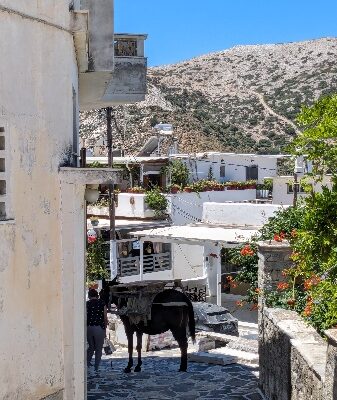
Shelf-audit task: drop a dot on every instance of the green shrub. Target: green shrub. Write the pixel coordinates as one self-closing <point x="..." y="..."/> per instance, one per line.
<point x="156" y="201"/>
<point x="96" y="263"/>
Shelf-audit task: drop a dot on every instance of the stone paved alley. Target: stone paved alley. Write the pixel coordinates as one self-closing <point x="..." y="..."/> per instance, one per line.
<point x="160" y="380"/>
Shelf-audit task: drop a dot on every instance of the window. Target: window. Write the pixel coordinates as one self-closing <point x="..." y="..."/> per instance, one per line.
<point x="125" y="48"/>
<point x="252" y="172"/>
<point x="222" y="171"/>
<point x="301" y="189"/>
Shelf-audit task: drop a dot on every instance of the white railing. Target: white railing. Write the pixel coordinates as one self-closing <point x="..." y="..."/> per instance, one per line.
<point x="151" y="263"/>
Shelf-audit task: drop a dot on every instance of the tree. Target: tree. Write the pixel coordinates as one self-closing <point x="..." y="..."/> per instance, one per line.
<point x="318" y="141"/>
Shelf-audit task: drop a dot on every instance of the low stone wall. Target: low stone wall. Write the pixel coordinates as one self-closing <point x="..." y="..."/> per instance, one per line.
<point x="292" y="357"/>
<point x="296" y="363"/>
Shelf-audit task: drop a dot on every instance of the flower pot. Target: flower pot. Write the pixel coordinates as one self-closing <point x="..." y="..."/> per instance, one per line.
<point x="187" y="190"/>
<point x="174" y="190"/>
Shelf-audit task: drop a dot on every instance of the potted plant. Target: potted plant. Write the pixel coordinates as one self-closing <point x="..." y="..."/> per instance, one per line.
<point x="188" y="189"/>
<point x="156" y="201"/>
<point x="94" y="221"/>
<point x="174" y="188"/>
<point x="251" y="184"/>
<point x="136" y="189"/>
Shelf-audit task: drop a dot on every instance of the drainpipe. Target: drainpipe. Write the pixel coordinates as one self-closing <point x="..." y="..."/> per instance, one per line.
<point x="112" y="211"/>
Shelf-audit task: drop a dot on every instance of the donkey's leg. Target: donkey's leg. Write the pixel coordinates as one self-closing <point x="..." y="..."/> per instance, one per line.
<point x="139" y="351"/>
<point x="181" y="337"/>
<point x="129" y="335"/>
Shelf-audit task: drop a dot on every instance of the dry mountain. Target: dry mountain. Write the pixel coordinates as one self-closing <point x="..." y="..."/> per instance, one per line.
<point x="244" y="99"/>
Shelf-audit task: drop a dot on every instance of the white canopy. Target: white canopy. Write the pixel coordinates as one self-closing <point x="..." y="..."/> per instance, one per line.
<point x="228" y="236"/>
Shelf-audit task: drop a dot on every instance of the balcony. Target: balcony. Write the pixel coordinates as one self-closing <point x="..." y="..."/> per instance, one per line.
<point x="129" y="77"/>
<point x="152" y="263"/>
<point x="112" y="68"/>
<point x="155" y="266"/>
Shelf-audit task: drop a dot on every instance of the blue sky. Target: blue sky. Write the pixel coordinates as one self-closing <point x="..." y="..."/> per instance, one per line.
<point x="182" y="29"/>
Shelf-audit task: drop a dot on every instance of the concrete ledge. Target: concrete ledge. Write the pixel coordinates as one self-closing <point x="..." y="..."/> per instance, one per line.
<point x="90" y="176"/>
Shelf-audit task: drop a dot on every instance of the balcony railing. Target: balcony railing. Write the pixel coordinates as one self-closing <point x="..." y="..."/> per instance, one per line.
<point x="151" y="263"/>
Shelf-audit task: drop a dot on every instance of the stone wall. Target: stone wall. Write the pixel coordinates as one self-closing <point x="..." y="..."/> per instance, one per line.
<point x="330" y="385"/>
<point x="296" y="363"/>
<point x="292" y="357"/>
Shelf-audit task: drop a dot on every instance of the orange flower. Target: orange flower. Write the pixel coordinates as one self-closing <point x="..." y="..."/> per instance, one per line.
<point x="282" y="286"/>
<point x="229" y="278"/>
<point x="233" y="284"/>
<point x="278" y="237"/>
<point x="239" y="303"/>
<point x="313" y="281"/>
<point x="258" y="290"/>
<point x="247" y="251"/>
<point x="308" y="309"/>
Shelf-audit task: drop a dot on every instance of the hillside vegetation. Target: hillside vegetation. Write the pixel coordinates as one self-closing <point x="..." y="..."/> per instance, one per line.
<point x="244" y="99"/>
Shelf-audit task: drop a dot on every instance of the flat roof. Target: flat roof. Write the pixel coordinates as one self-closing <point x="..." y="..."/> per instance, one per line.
<point x="127" y="159"/>
<point x="199" y="234"/>
<point x="120" y="224"/>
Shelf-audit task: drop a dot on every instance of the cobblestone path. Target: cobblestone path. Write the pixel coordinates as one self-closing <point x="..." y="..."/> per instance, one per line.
<point x="160" y="380"/>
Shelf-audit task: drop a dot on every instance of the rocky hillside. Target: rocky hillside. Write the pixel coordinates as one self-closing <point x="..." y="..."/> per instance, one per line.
<point x="244" y="99"/>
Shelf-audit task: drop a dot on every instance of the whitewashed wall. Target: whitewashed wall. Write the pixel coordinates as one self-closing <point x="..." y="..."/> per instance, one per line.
<point x="132" y="205"/>
<point x="238" y="213"/>
<point x="280" y="189"/>
<point x="235" y="166"/>
<point x="185" y="208"/>
<point x="37" y="73"/>
<point x="187" y="261"/>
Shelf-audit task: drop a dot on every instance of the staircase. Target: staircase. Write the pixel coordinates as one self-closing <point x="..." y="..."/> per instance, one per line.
<point x="221" y="349"/>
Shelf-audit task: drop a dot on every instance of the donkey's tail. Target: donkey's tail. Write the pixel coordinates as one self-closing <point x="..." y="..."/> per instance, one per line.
<point x="191" y="321"/>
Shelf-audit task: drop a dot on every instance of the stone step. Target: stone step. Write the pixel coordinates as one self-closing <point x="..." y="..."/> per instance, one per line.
<point x="208" y="358"/>
<point x="212" y="340"/>
<point x="224" y="356"/>
<point x="242" y="357"/>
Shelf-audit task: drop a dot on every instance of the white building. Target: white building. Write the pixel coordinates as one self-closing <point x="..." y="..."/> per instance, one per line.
<point x="283" y="188"/>
<point x="198" y="261"/>
<point x="56" y="56"/>
<point x="225" y="167"/>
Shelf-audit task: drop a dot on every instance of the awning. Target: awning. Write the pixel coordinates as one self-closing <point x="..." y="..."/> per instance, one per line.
<point x="198" y="234"/>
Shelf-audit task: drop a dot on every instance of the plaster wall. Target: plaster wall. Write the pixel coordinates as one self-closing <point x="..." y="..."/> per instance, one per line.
<point x="132" y="205"/>
<point x="238" y="213"/>
<point x="186" y="208"/>
<point x="36" y="109"/>
<point x="235" y="166"/>
<point x="187" y="261"/>
<point x="280" y="189"/>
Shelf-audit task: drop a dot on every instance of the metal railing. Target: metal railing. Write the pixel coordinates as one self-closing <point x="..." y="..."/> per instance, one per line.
<point x="151" y="263"/>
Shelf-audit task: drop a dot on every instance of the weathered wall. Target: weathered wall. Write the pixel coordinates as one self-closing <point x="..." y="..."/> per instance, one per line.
<point x="295" y="362"/>
<point x="37" y="76"/>
<point x="330" y="384"/>
<point x="292" y="357"/>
